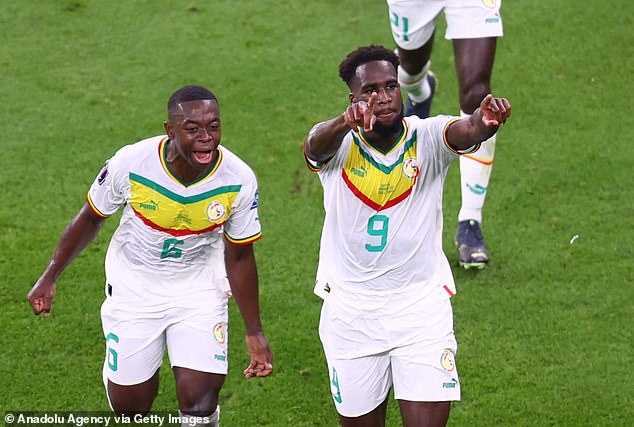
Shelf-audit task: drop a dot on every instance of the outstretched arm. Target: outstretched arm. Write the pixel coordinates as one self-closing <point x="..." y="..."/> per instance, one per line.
<point x="79" y="233"/>
<point x="243" y="278"/>
<point x="481" y="125"/>
<point x="325" y="138"/>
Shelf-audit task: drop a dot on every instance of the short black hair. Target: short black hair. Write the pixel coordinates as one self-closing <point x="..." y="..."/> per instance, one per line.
<point x="189" y="93"/>
<point x="362" y="55"/>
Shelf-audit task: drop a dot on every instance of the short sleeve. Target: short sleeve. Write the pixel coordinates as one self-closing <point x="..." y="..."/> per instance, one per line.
<point x="335" y="161"/>
<point x="109" y="189"/>
<point x="469" y="150"/>
<point x="243" y="226"/>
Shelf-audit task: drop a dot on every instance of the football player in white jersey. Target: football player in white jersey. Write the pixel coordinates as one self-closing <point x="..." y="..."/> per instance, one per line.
<point x="182" y="248"/>
<point x="386" y="319"/>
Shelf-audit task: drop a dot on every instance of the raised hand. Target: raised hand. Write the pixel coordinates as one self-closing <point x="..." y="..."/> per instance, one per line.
<point x="362" y="114"/>
<point x="495" y="111"/>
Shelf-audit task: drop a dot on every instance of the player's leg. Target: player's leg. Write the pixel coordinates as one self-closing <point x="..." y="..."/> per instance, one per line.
<point x="424" y="414"/>
<point x="359" y="383"/>
<point x="133" y="399"/>
<point x="474" y="26"/>
<point x="474" y="63"/>
<point x="374" y="418"/>
<point x="134" y="353"/>
<point x="423" y="369"/>
<point x="360" y="389"/>
<point x="197" y="345"/>
<point x="197" y="394"/>
<point x="413" y="25"/>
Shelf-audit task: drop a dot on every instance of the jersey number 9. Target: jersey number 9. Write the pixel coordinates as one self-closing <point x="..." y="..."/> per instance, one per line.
<point x="377" y="226"/>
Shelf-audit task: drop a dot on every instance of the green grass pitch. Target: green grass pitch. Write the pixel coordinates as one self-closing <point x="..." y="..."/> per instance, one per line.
<point x="544" y="332"/>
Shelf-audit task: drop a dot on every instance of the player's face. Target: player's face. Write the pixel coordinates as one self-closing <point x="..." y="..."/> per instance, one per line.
<point x="380" y="77"/>
<point x="195" y="130"/>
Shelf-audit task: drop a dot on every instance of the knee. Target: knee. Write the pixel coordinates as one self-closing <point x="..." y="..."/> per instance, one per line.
<point x="199" y="405"/>
<point x="132" y="400"/>
<point x="472" y="94"/>
<point x="197" y="391"/>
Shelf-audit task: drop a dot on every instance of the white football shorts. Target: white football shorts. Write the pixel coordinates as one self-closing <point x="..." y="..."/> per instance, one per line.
<point x="195" y="337"/>
<point x="413" y="21"/>
<point x="421" y="369"/>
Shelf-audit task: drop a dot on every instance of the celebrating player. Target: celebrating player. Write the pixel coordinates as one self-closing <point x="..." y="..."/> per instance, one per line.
<point x="183" y="246"/>
<point x="386" y="318"/>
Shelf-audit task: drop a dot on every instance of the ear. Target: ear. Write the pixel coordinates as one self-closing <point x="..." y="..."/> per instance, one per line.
<point x="351" y="98"/>
<point x="168" y="129"/>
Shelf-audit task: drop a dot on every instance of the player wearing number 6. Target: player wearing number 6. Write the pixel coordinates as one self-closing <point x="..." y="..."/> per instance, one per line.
<point x="183" y="244"/>
<point x="386" y="319"/>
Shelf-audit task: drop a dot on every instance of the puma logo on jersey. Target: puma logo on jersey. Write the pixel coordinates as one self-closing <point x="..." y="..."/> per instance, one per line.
<point x="360" y="172"/>
<point x="152" y="206"/>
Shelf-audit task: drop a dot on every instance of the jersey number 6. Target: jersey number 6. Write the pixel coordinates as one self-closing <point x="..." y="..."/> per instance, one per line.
<point x="170" y="250"/>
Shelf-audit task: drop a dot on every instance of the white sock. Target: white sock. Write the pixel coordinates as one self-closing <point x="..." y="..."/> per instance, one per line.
<point x="475" y="171"/>
<point x="416" y="85"/>
<point x="212" y="420"/>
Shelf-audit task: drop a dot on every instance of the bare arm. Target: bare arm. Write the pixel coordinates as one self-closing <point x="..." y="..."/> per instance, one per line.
<point x="325" y="138"/>
<point x="243" y="278"/>
<point x="79" y="233"/>
<point x="481" y="125"/>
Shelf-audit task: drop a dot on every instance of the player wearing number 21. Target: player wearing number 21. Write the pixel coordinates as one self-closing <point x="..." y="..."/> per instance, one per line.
<point x="386" y="319"/>
<point x="183" y="245"/>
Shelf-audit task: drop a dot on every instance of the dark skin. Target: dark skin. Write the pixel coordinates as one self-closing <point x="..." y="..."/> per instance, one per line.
<point x="474" y="64"/>
<point x="194" y="131"/>
<point x="375" y="98"/>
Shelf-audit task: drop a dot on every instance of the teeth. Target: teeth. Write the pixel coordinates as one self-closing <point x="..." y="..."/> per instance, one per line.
<point x="202" y="157"/>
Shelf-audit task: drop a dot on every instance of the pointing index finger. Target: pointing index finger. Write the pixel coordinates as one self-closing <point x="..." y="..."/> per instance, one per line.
<point x="372" y="101"/>
<point x="368" y="116"/>
<point x="486" y="102"/>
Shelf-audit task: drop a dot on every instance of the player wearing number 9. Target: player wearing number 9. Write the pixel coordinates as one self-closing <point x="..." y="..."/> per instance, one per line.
<point x="386" y="319"/>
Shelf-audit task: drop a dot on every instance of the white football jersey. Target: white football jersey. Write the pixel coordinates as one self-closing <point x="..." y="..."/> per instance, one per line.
<point x="381" y="244"/>
<point x="171" y="233"/>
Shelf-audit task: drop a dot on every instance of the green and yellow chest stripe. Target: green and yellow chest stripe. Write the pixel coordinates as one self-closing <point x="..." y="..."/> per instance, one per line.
<point x="164" y="210"/>
<point x="377" y="185"/>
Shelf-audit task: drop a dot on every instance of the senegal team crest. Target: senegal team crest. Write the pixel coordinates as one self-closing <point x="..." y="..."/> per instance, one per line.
<point x="491" y="4"/>
<point x="410" y="169"/>
<point x="219" y="333"/>
<point x="215" y="211"/>
<point x="447" y="361"/>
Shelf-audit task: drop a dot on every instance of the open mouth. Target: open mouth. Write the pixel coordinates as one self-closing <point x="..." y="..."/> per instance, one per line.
<point x="202" y="156"/>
